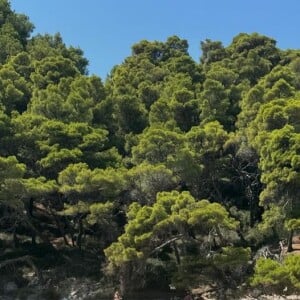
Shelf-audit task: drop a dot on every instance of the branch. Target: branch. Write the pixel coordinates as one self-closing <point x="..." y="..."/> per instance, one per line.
<point x="167" y="243"/>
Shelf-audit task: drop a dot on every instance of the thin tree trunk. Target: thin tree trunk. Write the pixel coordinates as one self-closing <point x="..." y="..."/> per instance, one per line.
<point x="80" y="233"/>
<point x="30" y="207"/>
<point x="176" y="253"/>
<point x="222" y="240"/>
<point x="290" y="241"/>
<point x="60" y="228"/>
<point x="16" y="240"/>
<point x="38" y="233"/>
<point x="33" y="238"/>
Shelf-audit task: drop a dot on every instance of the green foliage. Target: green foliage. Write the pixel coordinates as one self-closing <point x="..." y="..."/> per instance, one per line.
<point x="46" y="46"/>
<point x="39" y="187"/>
<point x="12" y="189"/>
<point x="212" y="51"/>
<point x="120" y="163"/>
<point x="16" y="90"/>
<point x="272" y="274"/>
<point x="269" y="272"/>
<point x="210" y="216"/>
<point x="146" y="180"/>
<point x="232" y="257"/>
<point x="78" y="178"/>
<point x="201" y="159"/>
<point x="156" y="145"/>
<point x="128" y="107"/>
<point x="277" y="145"/>
<point x="15" y="29"/>
<point x="292" y="224"/>
<point x="101" y="213"/>
<point x="272" y="220"/>
<point x="171" y="215"/>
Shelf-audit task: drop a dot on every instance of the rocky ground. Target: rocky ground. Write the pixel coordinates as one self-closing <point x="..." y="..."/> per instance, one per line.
<point x="91" y="289"/>
<point x="69" y="289"/>
<point x="242" y="293"/>
<point x="81" y="281"/>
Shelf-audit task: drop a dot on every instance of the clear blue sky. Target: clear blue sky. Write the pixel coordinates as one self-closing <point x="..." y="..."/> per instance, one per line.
<point x="106" y="29"/>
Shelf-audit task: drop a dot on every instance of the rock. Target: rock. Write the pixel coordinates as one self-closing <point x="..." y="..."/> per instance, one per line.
<point x="201" y="289"/>
<point x="256" y="293"/>
<point x="34" y="281"/>
<point x="209" y="296"/>
<point x="10" y="287"/>
<point x="230" y="293"/>
<point x="272" y="297"/>
<point x="73" y="293"/>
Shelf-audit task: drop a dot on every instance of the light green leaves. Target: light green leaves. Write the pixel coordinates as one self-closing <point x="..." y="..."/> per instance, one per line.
<point x="172" y="215"/>
<point x="11" y="186"/>
<point x="272" y="274"/>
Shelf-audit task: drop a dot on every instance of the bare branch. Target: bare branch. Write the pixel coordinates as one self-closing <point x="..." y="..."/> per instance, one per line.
<point x="167" y="243"/>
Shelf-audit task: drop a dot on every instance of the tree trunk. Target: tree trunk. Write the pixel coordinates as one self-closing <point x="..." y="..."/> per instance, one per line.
<point x="60" y="227"/>
<point x="290" y="241"/>
<point x="30" y="207"/>
<point x="36" y="232"/>
<point x="244" y="243"/>
<point x="80" y="233"/>
<point x="222" y="240"/>
<point x="176" y="253"/>
<point x="33" y="238"/>
<point x="16" y="240"/>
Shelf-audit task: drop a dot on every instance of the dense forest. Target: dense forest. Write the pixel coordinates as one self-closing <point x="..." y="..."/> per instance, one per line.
<point x="169" y="172"/>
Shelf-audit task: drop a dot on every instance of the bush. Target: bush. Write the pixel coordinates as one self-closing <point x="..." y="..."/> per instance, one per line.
<point x="274" y="275"/>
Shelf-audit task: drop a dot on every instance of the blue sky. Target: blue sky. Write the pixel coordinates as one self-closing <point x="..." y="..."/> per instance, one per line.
<point x="106" y="29"/>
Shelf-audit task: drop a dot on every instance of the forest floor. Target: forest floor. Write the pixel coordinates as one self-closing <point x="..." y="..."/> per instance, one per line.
<point x="75" y="274"/>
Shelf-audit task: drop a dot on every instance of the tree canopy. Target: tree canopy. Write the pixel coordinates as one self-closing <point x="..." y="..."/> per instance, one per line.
<point x="168" y="166"/>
